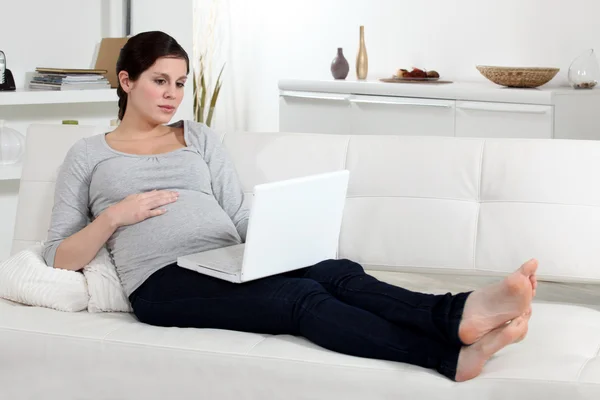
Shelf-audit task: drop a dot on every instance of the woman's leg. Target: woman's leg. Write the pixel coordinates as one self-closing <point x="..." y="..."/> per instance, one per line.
<point x="455" y="319"/>
<point x="174" y="296"/>
<point x="437" y="316"/>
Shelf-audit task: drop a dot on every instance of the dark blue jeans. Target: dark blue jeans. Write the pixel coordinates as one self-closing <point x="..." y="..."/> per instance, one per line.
<point x="333" y="304"/>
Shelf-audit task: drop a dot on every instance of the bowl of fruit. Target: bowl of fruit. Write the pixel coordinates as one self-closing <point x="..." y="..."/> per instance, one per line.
<point x="417" y="74"/>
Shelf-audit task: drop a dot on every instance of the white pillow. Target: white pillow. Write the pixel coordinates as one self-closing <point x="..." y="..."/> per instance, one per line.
<point x="104" y="286"/>
<point x="25" y="278"/>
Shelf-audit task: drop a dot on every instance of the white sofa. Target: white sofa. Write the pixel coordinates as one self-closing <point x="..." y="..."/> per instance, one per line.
<point x="429" y="213"/>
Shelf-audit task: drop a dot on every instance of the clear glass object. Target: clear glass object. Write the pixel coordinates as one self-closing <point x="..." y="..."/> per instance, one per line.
<point x="584" y="72"/>
<point x="2" y="66"/>
<point x="12" y="145"/>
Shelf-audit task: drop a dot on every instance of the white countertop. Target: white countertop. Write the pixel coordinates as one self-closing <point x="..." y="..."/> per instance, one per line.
<point x="468" y="91"/>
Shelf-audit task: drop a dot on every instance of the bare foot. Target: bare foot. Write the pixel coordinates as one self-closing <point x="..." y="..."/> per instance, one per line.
<point x="472" y="358"/>
<point x="489" y="307"/>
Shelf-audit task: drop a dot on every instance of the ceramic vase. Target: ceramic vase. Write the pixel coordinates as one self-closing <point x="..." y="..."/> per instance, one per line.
<point x="339" y="65"/>
<point x="362" y="60"/>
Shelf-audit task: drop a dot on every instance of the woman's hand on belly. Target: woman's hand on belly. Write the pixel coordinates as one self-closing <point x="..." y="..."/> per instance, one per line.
<point x="139" y="207"/>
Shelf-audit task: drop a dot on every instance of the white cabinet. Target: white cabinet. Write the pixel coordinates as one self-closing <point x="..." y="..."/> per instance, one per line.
<point x="314" y="112"/>
<point x="494" y="120"/>
<point x="387" y="115"/>
<point x="457" y="109"/>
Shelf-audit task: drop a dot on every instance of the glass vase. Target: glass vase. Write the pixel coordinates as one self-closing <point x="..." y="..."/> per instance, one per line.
<point x="12" y="145"/>
<point x="584" y="72"/>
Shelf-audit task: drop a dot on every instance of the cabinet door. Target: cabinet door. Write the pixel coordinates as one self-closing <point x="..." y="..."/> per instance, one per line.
<point x="310" y="112"/>
<point x="389" y="115"/>
<point x="503" y="120"/>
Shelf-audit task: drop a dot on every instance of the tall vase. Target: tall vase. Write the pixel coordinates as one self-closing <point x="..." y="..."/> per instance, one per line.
<point x="362" y="60"/>
<point x="339" y="65"/>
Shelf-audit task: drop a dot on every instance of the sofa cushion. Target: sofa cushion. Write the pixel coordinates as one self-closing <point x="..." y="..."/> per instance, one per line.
<point x="46" y="147"/>
<point x="25" y="278"/>
<point x="541" y="199"/>
<point x="106" y="292"/>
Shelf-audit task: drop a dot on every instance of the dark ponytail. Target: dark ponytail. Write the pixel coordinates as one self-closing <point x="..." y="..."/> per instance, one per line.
<point x="122" y="102"/>
<point x="140" y="53"/>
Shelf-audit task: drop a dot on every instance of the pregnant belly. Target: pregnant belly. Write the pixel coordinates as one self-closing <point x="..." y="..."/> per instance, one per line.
<point x="195" y="222"/>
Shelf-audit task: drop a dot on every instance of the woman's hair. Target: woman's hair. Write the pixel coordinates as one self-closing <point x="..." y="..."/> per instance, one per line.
<point x="140" y="53"/>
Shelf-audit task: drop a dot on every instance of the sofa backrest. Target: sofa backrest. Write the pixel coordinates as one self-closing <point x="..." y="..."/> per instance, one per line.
<point x="434" y="204"/>
<point x="45" y="148"/>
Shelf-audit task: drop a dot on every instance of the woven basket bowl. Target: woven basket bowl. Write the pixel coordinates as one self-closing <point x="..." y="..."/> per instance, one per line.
<point x="518" y="77"/>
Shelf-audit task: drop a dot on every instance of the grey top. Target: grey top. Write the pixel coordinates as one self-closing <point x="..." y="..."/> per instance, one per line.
<point x="209" y="213"/>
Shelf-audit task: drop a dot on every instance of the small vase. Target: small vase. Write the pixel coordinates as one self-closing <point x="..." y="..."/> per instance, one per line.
<point x="362" y="60"/>
<point x="339" y="65"/>
<point x="584" y="72"/>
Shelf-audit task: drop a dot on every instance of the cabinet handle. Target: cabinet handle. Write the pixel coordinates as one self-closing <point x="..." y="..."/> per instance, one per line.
<point x="314" y="96"/>
<point x="393" y="103"/>
<point x="515" y="110"/>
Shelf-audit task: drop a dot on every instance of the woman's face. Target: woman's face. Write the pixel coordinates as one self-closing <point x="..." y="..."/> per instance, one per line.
<point x="158" y="91"/>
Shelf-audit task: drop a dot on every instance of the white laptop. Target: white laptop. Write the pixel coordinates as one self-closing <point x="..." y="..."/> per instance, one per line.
<point x="293" y="224"/>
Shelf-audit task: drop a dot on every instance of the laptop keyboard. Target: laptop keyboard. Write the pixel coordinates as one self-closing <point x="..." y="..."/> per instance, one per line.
<point x="228" y="260"/>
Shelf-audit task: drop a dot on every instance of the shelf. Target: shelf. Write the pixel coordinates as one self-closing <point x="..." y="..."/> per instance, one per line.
<point x="10" y="172"/>
<point x="25" y="97"/>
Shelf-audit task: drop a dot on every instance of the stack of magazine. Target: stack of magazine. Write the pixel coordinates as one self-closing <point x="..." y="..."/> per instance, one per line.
<point x="68" y="79"/>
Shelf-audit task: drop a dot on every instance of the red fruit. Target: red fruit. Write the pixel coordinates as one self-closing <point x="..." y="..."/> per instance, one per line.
<point x="418" y="73"/>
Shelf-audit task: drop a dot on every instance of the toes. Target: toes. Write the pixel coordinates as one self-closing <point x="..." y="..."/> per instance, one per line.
<point x="518" y="322"/>
<point x="529" y="268"/>
<point x="517" y="326"/>
<point x="523" y="335"/>
<point x="525" y="328"/>
<point x="534" y="281"/>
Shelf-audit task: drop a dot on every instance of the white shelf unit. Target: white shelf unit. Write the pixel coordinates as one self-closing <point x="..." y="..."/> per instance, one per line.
<point x="22" y="107"/>
<point x="38" y="97"/>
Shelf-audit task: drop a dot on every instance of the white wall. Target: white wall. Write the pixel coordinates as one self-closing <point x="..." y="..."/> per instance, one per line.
<point x="274" y="39"/>
<point x="58" y="33"/>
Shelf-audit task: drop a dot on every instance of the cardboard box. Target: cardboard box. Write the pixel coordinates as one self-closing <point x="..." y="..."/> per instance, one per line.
<point x="108" y="54"/>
